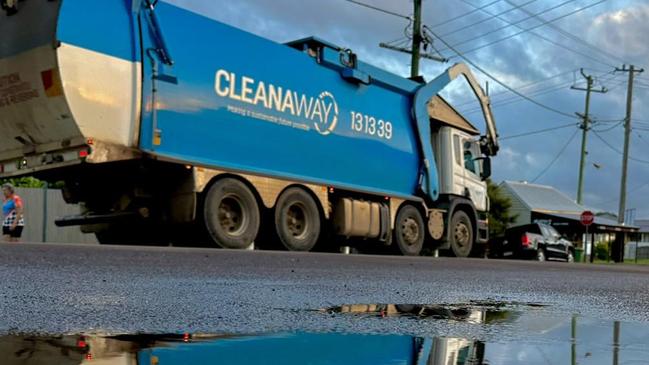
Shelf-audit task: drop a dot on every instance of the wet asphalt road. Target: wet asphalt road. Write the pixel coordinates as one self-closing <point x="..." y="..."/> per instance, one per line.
<point x="79" y="288"/>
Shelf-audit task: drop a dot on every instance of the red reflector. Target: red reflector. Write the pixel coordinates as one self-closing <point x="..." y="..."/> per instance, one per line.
<point x="525" y="240"/>
<point x="88" y="356"/>
<point x="186" y="337"/>
<point x="83" y="153"/>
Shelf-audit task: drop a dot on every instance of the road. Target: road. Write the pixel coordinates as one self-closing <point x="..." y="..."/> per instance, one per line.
<point x="53" y="288"/>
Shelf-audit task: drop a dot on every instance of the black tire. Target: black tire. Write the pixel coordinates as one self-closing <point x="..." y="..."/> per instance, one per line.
<point x="231" y="214"/>
<point x="297" y="220"/>
<point x="461" y="234"/>
<point x="409" y="231"/>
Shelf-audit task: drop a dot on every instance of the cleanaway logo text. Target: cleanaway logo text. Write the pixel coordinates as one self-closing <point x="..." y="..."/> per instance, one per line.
<point x="322" y="110"/>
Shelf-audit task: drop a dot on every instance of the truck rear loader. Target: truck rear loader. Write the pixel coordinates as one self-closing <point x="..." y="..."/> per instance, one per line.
<point x="163" y="122"/>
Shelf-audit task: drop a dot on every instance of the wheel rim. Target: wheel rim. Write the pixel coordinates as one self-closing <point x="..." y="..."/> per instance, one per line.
<point x="462" y="236"/>
<point x="231" y="215"/>
<point x="571" y="257"/>
<point x="540" y="256"/>
<point x="410" y="231"/>
<point x="296" y="220"/>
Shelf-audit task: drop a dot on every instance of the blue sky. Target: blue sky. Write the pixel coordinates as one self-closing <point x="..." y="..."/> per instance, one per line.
<point x="599" y="37"/>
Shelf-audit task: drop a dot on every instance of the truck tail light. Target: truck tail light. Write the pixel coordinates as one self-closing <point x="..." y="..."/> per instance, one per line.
<point x="525" y="240"/>
<point x="83" y="153"/>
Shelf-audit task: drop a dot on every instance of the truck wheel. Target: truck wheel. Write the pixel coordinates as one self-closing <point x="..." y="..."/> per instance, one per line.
<point x="297" y="220"/>
<point x="409" y="231"/>
<point x="461" y="234"/>
<point x="231" y="214"/>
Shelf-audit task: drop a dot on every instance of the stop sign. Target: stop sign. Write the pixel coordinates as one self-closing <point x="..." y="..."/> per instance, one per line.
<point x="587" y="218"/>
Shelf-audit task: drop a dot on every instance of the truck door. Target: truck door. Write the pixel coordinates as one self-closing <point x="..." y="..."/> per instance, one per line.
<point x="467" y="171"/>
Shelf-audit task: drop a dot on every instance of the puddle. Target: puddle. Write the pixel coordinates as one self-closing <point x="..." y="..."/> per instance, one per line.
<point x="571" y="341"/>
<point x="472" y="312"/>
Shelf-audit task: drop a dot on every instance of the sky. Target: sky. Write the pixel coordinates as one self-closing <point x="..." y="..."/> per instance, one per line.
<point x="536" y="47"/>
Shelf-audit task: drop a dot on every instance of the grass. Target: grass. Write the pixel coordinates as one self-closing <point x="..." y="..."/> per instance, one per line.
<point x="626" y="262"/>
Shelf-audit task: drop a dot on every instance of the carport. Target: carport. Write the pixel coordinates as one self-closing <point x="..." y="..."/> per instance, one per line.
<point x="569" y="225"/>
<point x="533" y="203"/>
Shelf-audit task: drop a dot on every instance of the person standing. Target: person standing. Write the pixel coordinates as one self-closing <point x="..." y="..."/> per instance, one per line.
<point x="12" y="212"/>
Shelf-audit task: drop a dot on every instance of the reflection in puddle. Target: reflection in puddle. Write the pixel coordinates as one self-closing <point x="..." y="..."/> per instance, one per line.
<point x="569" y="341"/>
<point x="475" y="312"/>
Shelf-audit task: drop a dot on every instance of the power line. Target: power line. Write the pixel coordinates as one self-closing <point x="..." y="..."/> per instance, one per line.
<point x="488" y="74"/>
<point x="465" y="14"/>
<point x="539" y="35"/>
<point x="525" y="86"/>
<point x="379" y="9"/>
<point x="508" y="25"/>
<point x="516" y="99"/>
<point x="563" y="149"/>
<point x="570" y="35"/>
<point x="609" y="128"/>
<point x="629" y="192"/>
<point x="486" y="19"/>
<point x="534" y="27"/>
<point x="617" y="150"/>
<point x="539" y="131"/>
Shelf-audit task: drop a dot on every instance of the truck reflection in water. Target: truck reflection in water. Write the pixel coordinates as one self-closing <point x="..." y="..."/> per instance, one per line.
<point x="568" y="340"/>
<point x="287" y="349"/>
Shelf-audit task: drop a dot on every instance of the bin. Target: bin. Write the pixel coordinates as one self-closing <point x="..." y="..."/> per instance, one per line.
<point x="579" y="254"/>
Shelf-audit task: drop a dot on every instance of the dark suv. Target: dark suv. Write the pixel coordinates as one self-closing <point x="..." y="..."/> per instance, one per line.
<point x="533" y="241"/>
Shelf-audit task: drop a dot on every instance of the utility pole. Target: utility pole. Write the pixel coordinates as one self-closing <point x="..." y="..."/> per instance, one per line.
<point x="627" y="137"/>
<point x="416" y="41"/>
<point x="585" y="126"/>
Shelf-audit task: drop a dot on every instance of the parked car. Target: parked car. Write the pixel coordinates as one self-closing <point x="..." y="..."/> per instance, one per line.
<point x="533" y="241"/>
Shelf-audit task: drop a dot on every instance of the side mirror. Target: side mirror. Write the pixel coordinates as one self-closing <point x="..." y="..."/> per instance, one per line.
<point x="486" y="167"/>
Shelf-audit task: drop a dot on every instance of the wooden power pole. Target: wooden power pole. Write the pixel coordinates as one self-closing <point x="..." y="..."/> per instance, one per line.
<point x="627" y="137"/>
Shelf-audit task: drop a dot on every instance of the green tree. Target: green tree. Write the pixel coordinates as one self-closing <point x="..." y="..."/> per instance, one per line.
<point x="25" y="182"/>
<point x="500" y="215"/>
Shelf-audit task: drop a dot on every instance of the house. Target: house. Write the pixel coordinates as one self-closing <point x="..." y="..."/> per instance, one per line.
<point x="643" y="229"/>
<point x="534" y="203"/>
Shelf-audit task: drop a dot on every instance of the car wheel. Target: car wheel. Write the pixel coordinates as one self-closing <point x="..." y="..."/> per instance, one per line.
<point x="571" y="257"/>
<point x="540" y="255"/>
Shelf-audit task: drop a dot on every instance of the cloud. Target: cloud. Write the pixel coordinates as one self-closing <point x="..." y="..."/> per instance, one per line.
<point x="615" y="30"/>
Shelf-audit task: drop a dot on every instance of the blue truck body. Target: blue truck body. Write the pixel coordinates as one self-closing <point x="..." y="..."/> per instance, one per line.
<point x="92" y="82"/>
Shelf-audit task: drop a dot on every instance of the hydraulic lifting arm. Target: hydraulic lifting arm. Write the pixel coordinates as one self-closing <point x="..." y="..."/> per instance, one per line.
<point x="488" y="142"/>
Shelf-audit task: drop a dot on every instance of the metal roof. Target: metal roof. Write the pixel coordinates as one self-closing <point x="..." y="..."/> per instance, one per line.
<point x="548" y="200"/>
<point x="543" y="198"/>
<point x="643" y="224"/>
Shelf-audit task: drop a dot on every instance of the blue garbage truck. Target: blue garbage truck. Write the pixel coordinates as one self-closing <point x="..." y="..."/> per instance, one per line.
<point x="164" y="123"/>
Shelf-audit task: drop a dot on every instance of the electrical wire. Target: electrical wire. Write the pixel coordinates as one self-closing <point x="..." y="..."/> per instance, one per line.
<point x="379" y="9"/>
<point x="488" y="74"/>
<point x="486" y="19"/>
<point x="616" y="150"/>
<point x="534" y="27"/>
<point x="570" y="35"/>
<point x="495" y="30"/>
<point x="563" y="149"/>
<point x="609" y="128"/>
<point x="569" y="49"/>
<point x="522" y="87"/>
<point x="539" y="131"/>
<point x="465" y="14"/>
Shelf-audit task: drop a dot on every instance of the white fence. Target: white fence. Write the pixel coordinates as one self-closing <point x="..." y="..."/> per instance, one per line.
<point x="642" y="250"/>
<point x="42" y="207"/>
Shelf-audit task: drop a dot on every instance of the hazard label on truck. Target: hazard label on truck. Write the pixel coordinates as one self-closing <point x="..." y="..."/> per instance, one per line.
<point x="13" y="90"/>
